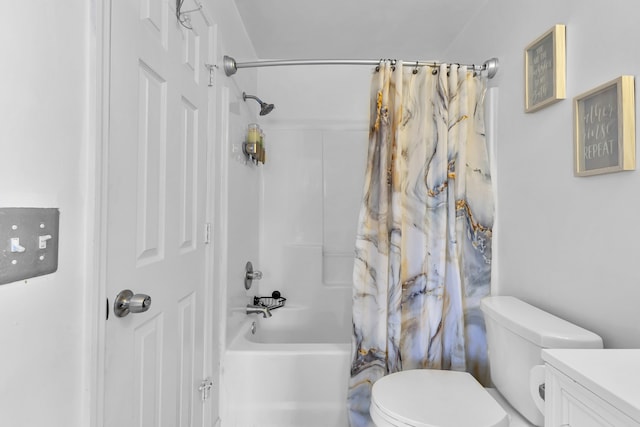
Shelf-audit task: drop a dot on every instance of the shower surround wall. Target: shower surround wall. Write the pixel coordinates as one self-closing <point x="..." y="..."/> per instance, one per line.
<point x="312" y="184"/>
<point x="311" y="187"/>
<point x="242" y="203"/>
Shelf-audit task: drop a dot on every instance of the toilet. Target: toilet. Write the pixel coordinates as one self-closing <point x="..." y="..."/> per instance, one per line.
<point x="516" y="333"/>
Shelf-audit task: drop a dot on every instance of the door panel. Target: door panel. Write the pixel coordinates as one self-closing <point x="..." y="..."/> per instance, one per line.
<point x="188" y="175"/>
<point x="152" y="124"/>
<point x="148" y="372"/>
<point x="187" y="347"/>
<point x="156" y="214"/>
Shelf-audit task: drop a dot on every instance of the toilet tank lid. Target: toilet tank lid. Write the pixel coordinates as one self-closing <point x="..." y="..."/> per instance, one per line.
<point x="538" y="326"/>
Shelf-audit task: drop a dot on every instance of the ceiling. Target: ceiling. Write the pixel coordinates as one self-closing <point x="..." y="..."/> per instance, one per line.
<point x="354" y="29"/>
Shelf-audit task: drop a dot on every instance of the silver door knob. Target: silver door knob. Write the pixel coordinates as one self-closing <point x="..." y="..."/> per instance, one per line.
<point x="126" y="302"/>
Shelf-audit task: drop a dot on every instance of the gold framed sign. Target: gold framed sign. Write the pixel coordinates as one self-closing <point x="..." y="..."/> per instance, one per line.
<point x="604" y="128"/>
<point x="545" y="69"/>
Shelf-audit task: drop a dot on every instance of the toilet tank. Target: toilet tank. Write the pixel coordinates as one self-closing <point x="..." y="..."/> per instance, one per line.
<point x="516" y="333"/>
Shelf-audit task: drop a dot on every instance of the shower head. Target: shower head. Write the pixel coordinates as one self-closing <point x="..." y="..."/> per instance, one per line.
<point x="264" y="107"/>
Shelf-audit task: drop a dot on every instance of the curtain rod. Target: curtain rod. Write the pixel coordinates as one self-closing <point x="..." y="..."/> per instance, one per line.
<point x="231" y="66"/>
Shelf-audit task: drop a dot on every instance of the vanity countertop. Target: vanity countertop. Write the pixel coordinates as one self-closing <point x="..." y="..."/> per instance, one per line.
<point x="612" y="374"/>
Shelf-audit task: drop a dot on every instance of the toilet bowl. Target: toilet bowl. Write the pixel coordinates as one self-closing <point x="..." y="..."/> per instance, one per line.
<point x="516" y="333"/>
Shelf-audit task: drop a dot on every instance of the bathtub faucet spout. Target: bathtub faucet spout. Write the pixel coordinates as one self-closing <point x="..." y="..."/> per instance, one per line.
<point x="259" y="309"/>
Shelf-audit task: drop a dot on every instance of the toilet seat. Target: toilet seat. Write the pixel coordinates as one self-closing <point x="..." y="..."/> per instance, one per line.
<point x="433" y="398"/>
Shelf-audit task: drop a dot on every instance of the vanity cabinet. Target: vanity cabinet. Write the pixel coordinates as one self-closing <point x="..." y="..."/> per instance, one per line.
<point x="592" y="388"/>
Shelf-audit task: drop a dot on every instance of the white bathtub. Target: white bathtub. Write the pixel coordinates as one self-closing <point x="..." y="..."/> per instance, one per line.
<point x="293" y="372"/>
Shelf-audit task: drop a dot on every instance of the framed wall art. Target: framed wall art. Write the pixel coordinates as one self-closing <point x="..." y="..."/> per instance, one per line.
<point x="604" y="128"/>
<point x="545" y="69"/>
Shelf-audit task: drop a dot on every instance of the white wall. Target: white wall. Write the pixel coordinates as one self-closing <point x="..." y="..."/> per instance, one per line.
<point x="316" y="96"/>
<point x="568" y="245"/>
<point x="45" y="143"/>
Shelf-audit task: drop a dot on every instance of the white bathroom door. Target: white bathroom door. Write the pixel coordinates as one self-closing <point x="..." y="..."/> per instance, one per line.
<point x="156" y="206"/>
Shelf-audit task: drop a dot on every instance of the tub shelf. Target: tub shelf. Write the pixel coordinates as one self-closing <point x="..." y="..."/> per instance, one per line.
<point x="269" y="302"/>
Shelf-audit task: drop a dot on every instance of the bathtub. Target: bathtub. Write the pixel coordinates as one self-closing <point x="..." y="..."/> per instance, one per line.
<point x="292" y="372"/>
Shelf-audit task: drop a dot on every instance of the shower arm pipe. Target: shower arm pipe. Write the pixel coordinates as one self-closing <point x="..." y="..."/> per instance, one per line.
<point x="231" y="66"/>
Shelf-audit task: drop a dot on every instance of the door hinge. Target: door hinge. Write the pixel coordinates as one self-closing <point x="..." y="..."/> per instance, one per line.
<point x="211" y="68"/>
<point x="207" y="233"/>
<point x="205" y="388"/>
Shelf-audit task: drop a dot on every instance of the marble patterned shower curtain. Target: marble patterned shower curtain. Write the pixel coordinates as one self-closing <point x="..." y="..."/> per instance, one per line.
<point x="423" y="249"/>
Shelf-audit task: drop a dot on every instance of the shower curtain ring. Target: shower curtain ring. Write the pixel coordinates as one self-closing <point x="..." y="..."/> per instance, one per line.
<point x="415" y="70"/>
<point x="435" y="68"/>
<point x="379" y="65"/>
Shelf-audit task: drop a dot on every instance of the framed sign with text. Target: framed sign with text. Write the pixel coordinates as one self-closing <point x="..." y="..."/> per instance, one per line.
<point x="604" y="128"/>
<point x="545" y="70"/>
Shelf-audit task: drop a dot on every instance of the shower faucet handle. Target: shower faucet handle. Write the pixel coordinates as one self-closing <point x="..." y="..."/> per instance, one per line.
<point x="250" y="275"/>
<point x="255" y="275"/>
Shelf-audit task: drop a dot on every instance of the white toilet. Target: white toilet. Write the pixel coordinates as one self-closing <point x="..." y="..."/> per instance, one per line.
<point x="516" y="332"/>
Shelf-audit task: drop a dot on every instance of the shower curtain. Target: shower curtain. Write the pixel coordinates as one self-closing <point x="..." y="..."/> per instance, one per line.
<point x="423" y="248"/>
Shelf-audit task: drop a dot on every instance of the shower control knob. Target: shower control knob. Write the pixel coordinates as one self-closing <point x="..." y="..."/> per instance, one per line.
<point x="256" y="275"/>
<point x="250" y="275"/>
<point x="126" y="302"/>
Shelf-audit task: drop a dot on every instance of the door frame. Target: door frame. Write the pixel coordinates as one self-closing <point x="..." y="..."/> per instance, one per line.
<point x="96" y="219"/>
<point x="95" y="298"/>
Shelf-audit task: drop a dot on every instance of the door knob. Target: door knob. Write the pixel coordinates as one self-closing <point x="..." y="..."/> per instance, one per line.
<point x="126" y="302"/>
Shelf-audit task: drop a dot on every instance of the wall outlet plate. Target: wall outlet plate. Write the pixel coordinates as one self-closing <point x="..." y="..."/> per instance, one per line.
<point x="28" y="243"/>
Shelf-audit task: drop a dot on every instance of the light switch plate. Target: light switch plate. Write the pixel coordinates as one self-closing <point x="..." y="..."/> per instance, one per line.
<point x="28" y="243"/>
